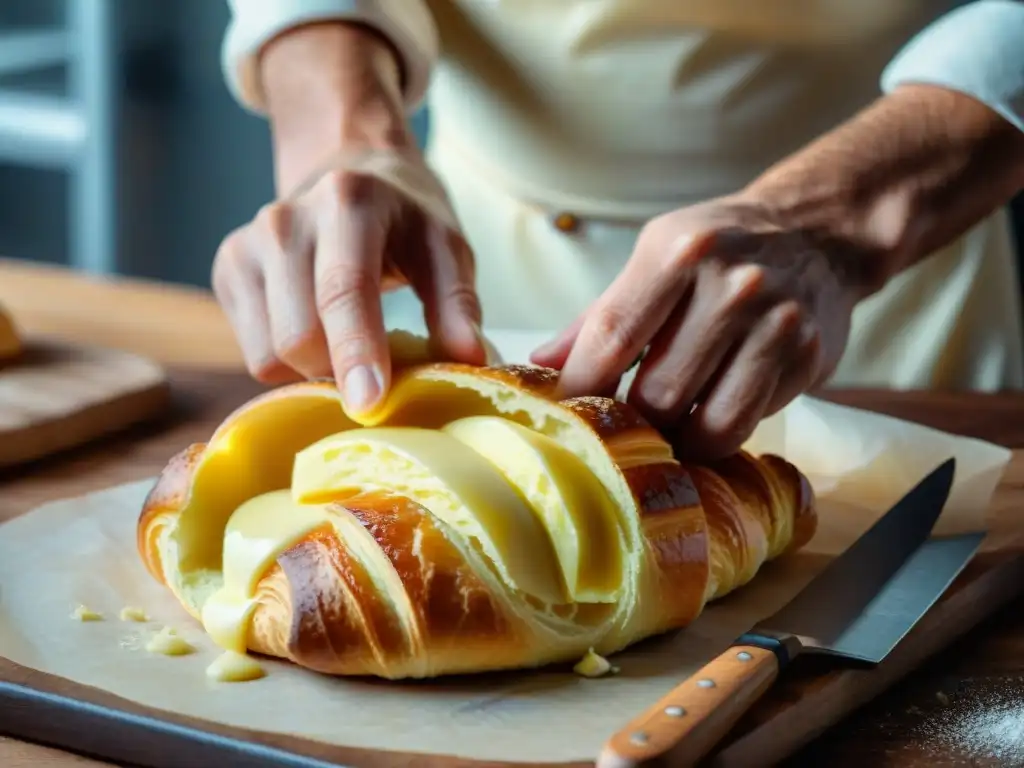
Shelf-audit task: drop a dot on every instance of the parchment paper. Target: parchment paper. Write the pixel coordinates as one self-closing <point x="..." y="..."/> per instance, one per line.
<point x="83" y="551"/>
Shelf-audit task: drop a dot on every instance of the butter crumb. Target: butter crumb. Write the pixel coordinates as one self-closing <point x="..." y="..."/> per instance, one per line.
<point x="234" y="667"/>
<point x="169" y="643"/>
<point x="82" y="613"/>
<point x="594" y="665"/>
<point x="129" y="613"/>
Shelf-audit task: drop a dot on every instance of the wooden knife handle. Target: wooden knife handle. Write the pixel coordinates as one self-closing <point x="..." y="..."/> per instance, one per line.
<point x="687" y="723"/>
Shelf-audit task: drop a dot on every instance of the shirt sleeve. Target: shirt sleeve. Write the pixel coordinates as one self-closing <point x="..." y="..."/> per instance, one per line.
<point x="407" y="24"/>
<point x="977" y="49"/>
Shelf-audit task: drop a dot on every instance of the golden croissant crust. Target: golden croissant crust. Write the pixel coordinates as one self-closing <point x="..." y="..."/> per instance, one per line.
<point x="472" y="522"/>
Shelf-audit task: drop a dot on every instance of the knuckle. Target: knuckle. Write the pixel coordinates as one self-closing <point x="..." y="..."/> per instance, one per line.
<point x="676" y="244"/>
<point x="743" y="283"/>
<point x="686" y="248"/>
<point x="275" y="221"/>
<point x="724" y="432"/>
<point x="662" y="393"/>
<point x="342" y="286"/>
<point x="351" y="189"/>
<point x="787" y="319"/>
<point x="614" y="330"/>
<point x="463" y="298"/>
<point x="655" y="234"/>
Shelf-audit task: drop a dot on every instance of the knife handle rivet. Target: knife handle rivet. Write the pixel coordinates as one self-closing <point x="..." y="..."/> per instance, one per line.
<point x="705" y="683"/>
<point x="674" y="711"/>
<point x="744" y="656"/>
<point x="638" y="738"/>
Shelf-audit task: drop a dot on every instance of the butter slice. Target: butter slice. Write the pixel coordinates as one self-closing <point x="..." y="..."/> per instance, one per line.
<point x="570" y="500"/>
<point x="455" y="483"/>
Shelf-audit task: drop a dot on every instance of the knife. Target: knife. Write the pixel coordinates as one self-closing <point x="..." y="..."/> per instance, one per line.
<point x="858" y="608"/>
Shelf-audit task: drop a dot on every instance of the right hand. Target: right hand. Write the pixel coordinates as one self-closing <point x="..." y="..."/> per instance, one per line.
<point x="301" y="283"/>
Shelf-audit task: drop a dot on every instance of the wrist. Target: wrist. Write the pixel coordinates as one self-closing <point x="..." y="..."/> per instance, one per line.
<point x="826" y="214"/>
<point x="329" y="88"/>
<point x="896" y="182"/>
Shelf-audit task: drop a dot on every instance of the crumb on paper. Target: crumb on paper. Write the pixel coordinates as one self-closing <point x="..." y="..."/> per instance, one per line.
<point x="131" y="613"/>
<point x="84" y="613"/>
<point x="594" y="665"/>
<point x="943" y="699"/>
<point x="169" y="643"/>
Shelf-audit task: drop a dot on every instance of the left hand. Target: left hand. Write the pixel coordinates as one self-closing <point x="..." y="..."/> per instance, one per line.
<point x="738" y="315"/>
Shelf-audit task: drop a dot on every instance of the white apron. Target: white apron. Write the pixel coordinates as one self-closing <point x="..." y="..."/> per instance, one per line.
<point x="614" y="111"/>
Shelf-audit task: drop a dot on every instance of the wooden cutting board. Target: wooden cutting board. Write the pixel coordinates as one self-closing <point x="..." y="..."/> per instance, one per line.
<point x="57" y="396"/>
<point x="812" y="696"/>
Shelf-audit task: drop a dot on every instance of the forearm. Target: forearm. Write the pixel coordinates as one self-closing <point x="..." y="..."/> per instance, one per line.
<point x="330" y="87"/>
<point x="898" y="181"/>
<point x="329" y="73"/>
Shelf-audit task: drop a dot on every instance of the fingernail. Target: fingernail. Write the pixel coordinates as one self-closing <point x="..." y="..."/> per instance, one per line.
<point x="362" y="388"/>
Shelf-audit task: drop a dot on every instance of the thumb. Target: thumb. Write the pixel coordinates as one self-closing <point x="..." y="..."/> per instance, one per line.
<point x="445" y="283"/>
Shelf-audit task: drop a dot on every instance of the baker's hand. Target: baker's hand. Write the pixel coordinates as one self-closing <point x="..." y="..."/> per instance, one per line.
<point x="737" y="314"/>
<point x="301" y="284"/>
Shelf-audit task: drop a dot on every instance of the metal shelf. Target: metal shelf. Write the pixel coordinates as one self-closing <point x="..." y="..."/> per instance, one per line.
<point x="23" y="50"/>
<point x="75" y="133"/>
<point x="41" y="131"/>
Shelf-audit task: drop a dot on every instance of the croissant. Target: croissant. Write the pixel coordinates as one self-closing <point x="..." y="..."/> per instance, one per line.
<point x="10" y="342"/>
<point x="472" y="522"/>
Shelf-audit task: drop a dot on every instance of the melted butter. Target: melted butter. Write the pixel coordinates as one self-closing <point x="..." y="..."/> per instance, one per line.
<point x="257" y="533"/>
<point x="84" y="613"/>
<point x="130" y="613"/>
<point x="594" y="665"/>
<point x="169" y="643"/>
<point x="577" y="512"/>
<point x="233" y="667"/>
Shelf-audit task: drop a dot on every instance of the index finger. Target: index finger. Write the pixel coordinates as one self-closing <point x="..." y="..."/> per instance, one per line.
<point x="622" y="322"/>
<point x="347" y="267"/>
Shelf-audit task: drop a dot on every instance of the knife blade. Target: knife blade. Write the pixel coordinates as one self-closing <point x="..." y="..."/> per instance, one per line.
<point x="858" y="608"/>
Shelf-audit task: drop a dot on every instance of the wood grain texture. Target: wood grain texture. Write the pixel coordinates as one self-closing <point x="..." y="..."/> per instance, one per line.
<point x="55" y="396"/>
<point x="941" y="716"/>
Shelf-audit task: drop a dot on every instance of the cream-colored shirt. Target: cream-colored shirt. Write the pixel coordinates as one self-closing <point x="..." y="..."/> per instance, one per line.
<point x="618" y="110"/>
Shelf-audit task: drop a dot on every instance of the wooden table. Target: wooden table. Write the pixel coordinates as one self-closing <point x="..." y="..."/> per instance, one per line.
<point x="944" y="715"/>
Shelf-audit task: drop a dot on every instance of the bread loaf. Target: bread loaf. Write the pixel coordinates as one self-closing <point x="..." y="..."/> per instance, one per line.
<point x="472" y="522"/>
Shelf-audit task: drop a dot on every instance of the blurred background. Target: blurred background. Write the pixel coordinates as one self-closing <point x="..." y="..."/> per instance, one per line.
<point x="121" y="151"/>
